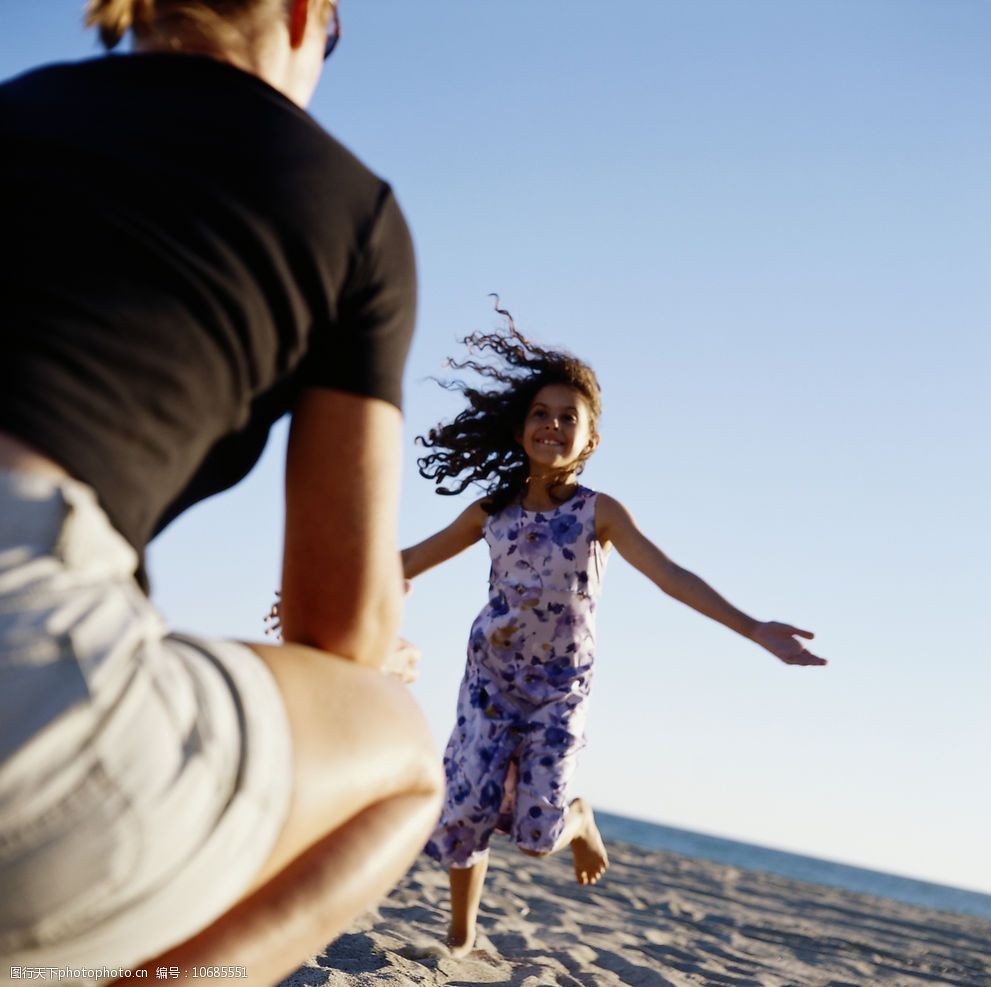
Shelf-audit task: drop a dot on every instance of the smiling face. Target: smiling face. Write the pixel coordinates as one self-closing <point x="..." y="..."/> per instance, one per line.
<point x="557" y="429"/>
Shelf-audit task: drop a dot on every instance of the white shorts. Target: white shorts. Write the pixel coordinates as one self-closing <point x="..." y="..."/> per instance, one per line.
<point x="144" y="776"/>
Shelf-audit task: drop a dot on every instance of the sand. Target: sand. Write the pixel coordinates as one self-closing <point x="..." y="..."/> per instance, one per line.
<point x="656" y="919"/>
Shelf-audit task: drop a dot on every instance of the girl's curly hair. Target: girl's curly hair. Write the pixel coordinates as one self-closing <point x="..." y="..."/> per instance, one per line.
<point x="480" y="446"/>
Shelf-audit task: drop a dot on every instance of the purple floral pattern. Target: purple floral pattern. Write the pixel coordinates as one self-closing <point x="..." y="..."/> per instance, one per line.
<point x="524" y="697"/>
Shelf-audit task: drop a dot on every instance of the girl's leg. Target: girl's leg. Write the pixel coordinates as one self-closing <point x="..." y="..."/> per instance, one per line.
<point x="466" y="895"/>
<point x="544" y="778"/>
<point x="366" y="795"/>
<point x="587" y="848"/>
<point x="582" y="835"/>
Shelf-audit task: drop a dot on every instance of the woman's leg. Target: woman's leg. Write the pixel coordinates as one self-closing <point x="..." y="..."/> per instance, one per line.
<point x="366" y="796"/>
<point x="466" y="895"/>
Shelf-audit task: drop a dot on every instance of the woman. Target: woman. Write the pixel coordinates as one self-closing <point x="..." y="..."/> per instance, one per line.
<point x="192" y="257"/>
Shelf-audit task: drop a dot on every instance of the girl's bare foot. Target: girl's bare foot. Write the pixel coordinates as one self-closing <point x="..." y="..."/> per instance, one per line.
<point x="591" y="859"/>
<point x="460" y="941"/>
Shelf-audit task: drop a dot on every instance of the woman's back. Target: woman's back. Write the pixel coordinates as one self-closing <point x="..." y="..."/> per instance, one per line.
<point x="187" y="248"/>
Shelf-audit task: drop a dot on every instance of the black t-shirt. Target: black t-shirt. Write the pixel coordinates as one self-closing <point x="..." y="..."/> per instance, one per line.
<point x="185" y="249"/>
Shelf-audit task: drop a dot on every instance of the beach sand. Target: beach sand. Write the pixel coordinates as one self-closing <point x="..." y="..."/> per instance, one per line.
<point x="656" y="919"/>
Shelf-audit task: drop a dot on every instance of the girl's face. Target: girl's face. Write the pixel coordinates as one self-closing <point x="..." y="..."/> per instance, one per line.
<point x="557" y="428"/>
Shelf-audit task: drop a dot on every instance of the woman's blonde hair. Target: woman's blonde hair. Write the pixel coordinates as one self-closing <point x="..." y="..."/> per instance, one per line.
<point x="205" y="18"/>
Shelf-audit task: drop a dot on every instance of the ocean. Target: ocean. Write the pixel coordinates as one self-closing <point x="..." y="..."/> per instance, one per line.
<point x="653" y="836"/>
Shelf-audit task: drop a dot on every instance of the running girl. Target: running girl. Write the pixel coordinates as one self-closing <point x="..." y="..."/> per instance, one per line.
<point x="523" y="700"/>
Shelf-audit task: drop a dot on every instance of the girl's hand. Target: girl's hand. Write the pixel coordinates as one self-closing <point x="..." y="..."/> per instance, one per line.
<point x="780" y="640"/>
<point x="273" y="619"/>
<point x="403" y="662"/>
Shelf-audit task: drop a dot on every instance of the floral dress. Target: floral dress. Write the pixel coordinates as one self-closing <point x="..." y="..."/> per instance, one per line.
<point x="524" y="696"/>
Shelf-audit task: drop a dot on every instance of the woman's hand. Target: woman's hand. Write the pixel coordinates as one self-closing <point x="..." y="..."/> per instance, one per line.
<point x="340" y="562"/>
<point x="780" y="640"/>
<point x="273" y="619"/>
<point x="403" y="662"/>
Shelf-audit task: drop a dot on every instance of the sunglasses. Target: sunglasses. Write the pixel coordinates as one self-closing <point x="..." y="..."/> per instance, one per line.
<point x="333" y="33"/>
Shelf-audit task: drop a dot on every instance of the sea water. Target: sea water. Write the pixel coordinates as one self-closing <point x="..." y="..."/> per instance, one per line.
<point x="653" y="836"/>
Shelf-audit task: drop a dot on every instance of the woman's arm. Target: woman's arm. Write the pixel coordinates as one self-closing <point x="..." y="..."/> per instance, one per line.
<point x="463" y="532"/>
<point x="341" y="584"/>
<point x="614" y="525"/>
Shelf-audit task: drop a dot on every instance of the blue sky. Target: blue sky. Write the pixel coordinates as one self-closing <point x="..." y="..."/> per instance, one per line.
<point x="766" y="225"/>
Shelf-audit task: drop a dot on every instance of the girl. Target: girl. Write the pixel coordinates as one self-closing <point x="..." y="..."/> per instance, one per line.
<point x="523" y="700"/>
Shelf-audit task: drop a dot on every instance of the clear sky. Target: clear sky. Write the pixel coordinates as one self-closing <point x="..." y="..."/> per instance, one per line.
<point x="766" y="225"/>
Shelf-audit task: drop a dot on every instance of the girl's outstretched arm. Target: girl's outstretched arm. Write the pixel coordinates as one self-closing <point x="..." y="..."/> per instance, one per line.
<point x="462" y="533"/>
<point x="614" y="525"/>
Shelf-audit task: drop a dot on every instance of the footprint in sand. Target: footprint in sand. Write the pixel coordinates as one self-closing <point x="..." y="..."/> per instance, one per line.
<point x="424" y="950"/>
